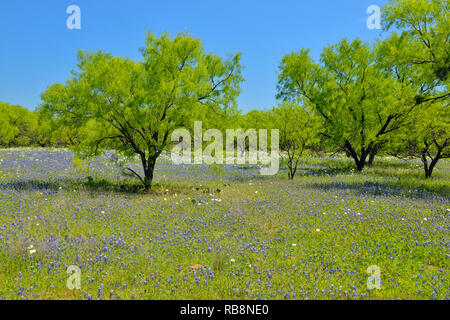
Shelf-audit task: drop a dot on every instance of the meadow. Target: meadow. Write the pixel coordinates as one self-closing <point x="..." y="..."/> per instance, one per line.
<point x="221" y="233"/>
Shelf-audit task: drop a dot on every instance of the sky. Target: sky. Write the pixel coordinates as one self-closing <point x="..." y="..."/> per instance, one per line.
<point x="37" y="49"/>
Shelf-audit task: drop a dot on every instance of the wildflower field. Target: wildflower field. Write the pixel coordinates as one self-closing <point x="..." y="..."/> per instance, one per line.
<point x="221" y="233"/>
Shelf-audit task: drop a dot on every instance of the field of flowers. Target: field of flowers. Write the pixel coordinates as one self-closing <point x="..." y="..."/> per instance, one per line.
<point x="221" y="233"/>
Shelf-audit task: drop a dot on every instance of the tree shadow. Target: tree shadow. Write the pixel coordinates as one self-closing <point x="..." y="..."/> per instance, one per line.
<point x="89" y="185"/>
<point x="106" y="186"/>
<point x="248" y="178"/>
<point x="325" y="171"/>
<point x="133" y="187"/>
<point x="385" y="189"/>
<point x="32" y="185"/>
<point x="394" y="164"/>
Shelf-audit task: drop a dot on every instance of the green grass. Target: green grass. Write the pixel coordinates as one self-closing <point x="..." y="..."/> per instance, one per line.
<point x="201" y="234"/>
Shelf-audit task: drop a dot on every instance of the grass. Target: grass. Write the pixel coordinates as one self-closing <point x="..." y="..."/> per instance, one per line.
<point x="221" y="234"/>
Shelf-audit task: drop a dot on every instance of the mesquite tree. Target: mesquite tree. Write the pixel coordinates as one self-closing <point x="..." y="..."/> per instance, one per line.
<point x="419" y="58"/>
<point x="426" y="137"/>
<point x="358" y="102"/>
<point x="133" y="107"/>
<point x="297" y="133"/>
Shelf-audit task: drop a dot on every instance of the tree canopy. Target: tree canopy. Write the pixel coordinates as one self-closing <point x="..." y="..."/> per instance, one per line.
<point x="17" y="126"/>
<point x="133" y="107"/>
<point x="298" y="133"/>
<point x="357" y="102"/>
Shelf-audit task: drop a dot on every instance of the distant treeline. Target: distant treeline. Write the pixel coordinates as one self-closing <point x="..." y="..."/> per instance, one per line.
<point x="20" y="127"/>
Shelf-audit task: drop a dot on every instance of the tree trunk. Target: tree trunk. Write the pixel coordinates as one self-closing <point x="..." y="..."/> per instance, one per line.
<point x="372" y="155"/>
<point x="292" y="165"/>
<point x="360" y="164"/>
<point x="429" y="167"/>
<point x="292" y="172"/>
<point x="359" y="161"/>
<point x="149" y="168"/>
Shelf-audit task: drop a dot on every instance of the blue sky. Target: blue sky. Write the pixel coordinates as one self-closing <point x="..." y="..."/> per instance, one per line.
<point x="37" y="49"/>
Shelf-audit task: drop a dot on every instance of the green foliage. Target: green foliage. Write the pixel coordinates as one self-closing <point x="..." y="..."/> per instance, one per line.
<point x="255" y="119"/>
<point x="419" y="58"/>
<point x="424" y="40"/>
<point x="298" y="133"/>
<point x="133" y="107"/>
<point x="17" y="126"/>
<point x="426" y="137"/>
<point x="52" y="131"/>
<point x="357" y="102"/>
